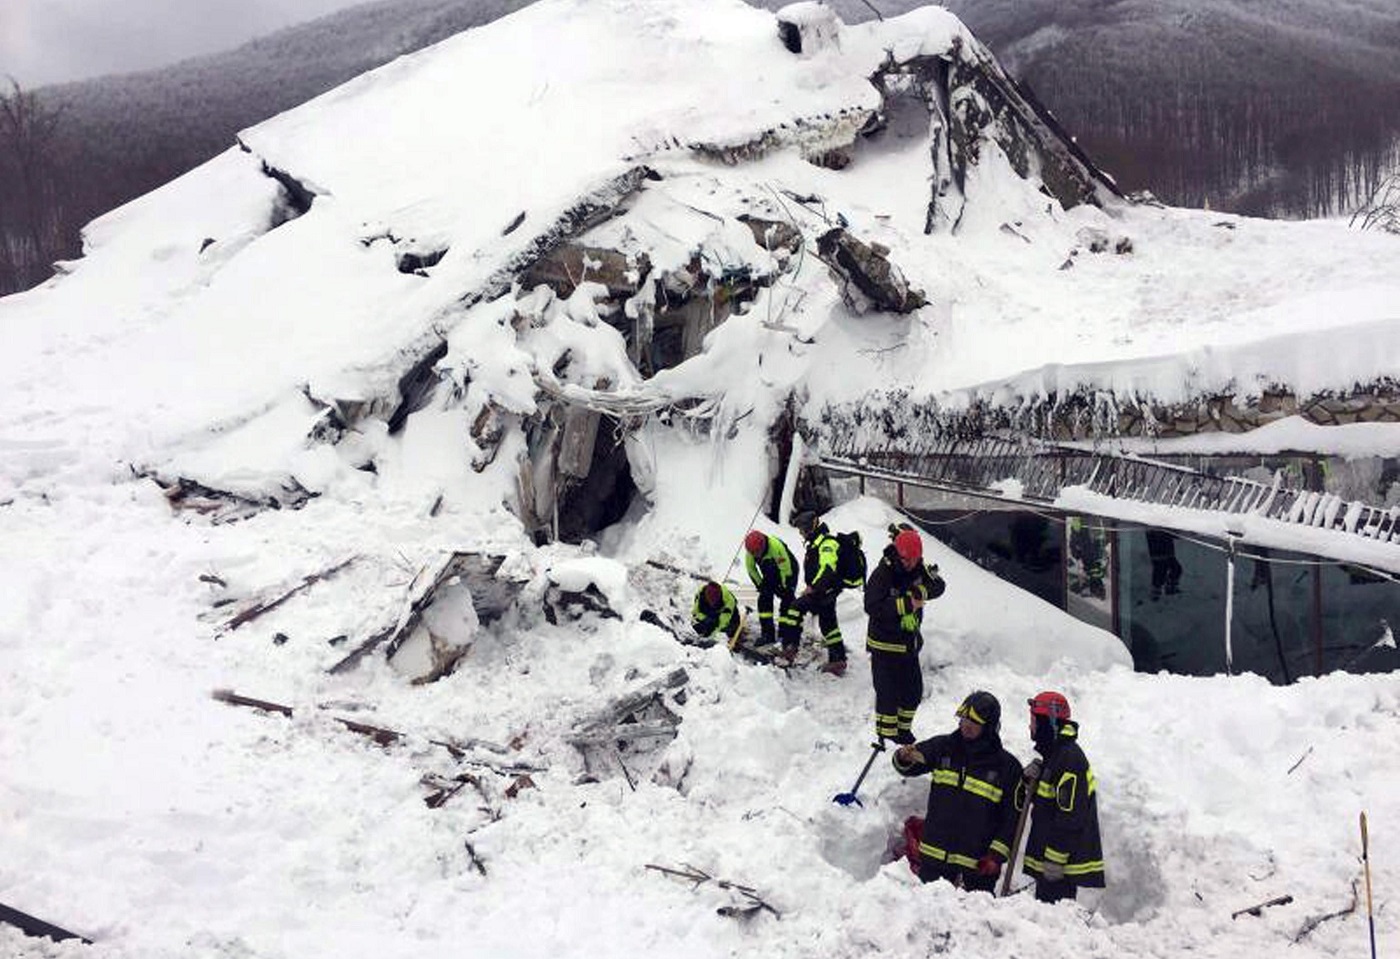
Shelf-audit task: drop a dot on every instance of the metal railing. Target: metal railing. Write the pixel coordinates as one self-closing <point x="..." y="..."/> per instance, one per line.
<point x="985" y="464"/>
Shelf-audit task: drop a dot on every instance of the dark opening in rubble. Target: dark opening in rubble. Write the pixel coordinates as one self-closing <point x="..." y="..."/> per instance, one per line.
<point x="790" y="35"/>
<point x="416" y="386"/>
<point x="295" y="198"/>
<point x="419" y="263"/>
<point x="689" y="304"/>
<point x="591" y="503"/>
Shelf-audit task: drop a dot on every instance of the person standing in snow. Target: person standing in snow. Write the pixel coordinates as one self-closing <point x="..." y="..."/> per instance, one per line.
<point x="1063" y="851"/>
<point x="971" y="819"/>
<point x="774" y="571"/>
<point x="822" y="571"/>
<point x="895" y="596"/>
<point x="716" y="610"/>
<point x="1166" y="568"/>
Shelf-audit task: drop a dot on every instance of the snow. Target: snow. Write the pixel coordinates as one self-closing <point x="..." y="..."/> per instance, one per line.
<point x="139" y="811"/>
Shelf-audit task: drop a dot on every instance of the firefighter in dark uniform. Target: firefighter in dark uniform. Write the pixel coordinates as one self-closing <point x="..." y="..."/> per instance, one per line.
<point x="821" y="571"/>
<point x="1063" y="851"/>
<point x="895" y="595"/>
<point x="971" y="820"/>
<point x="774" y="570"/>
<point x="716" y="610"/>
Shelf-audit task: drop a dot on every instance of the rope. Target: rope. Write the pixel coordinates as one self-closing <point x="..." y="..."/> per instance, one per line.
<point x="735" y="557"/>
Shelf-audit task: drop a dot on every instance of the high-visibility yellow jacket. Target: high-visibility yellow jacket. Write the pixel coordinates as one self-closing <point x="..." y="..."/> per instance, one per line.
<point x="821" y="566"/>
<point x="725" y="618"/>
<point x="776" y="570"/>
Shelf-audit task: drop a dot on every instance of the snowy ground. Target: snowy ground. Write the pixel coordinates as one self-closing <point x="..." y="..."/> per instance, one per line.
<point x="139" y="811"/>
<point x="158" y="822"/>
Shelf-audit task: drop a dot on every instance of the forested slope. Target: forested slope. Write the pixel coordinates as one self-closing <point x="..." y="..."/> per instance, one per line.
<point x="1290" y="109"/>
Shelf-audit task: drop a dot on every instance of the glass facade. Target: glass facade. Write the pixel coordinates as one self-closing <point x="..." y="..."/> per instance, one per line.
<point x="1171" y="602"/>
<point x="1274" y="623"/>
<point x="1165" y="594"/>
<point x="1090" y="578"/>
<point x="1020" y="547"/>
<point x="1359" y="612"/>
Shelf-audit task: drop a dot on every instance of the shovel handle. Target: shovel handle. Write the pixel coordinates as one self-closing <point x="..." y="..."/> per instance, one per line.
<point x="846" y="799"/>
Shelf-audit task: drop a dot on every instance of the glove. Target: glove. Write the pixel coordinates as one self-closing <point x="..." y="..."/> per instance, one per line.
<point x="1032" y="772"/>
<point x="1052" y="871"/>
<point x="909" y="622"/>
<point x="988" y="865"/>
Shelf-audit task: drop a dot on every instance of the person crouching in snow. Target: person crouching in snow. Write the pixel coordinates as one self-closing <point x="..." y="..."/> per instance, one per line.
<point x="895" y="595"/>
<point x="971" y="818"/>
<point x="716" y="610"/>
<point x="774" y="570"/>
<point x="821" y="570"/>
<point x="1063" y="851"/>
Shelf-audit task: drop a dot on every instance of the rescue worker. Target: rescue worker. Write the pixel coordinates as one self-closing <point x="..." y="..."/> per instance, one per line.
<point x="895" y="596"/>
<point x="1063" y="851"/>
<point x="821" y="571"/>
<point x="716" y="610"/>
<point x="1166" y="568"/>
<point x="972" y="797"/>
<point x="774" y="570"/>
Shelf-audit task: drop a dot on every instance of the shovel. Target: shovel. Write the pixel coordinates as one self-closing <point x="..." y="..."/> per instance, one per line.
<point x="846" y="799"/>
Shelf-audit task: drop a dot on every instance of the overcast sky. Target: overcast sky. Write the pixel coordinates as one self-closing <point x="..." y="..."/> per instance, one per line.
<point x="50" y="41"/>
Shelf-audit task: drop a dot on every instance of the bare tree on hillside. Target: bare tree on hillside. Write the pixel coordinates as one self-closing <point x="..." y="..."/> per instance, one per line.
<point x="1382" y="210"/>
<point x="31" y="222"/>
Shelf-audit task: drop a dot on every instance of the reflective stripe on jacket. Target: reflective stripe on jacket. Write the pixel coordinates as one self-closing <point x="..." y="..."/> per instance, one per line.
<point x="889" y="602"/>
<point x="705" y="620"/>
<point x="776" y="570"/>
<point x="821" y="565"/>
<point x="972" y="798"/>
<point x="1065" y="814"/>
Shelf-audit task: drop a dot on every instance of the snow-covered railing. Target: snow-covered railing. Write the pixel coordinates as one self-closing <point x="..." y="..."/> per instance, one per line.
<point x="1041" y="470"/>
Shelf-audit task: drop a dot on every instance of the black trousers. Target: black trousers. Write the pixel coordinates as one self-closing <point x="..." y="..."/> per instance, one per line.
<point x="823" y="606"/>
<point x="958" y="876"/>
<point x="1048" y="891"/>
<point x="788" y="621"/>
<point x="899" y="688"/>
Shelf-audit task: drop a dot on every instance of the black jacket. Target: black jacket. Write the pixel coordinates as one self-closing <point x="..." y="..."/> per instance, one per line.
<point x="889" y="595"/>
<point x="821" y="565"/>
<point x="972" y="798"/>
<point x="1065" y="814"/>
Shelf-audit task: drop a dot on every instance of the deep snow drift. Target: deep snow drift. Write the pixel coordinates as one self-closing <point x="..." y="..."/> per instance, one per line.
<point x="140" y="812"/>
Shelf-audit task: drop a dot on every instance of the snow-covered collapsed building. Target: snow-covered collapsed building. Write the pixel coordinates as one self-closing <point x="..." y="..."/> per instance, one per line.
<point x="414" y="314"/>
<point x="554" y="300"/>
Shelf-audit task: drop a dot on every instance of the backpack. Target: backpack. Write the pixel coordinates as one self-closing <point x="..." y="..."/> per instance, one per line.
<point x="850" y="558"/>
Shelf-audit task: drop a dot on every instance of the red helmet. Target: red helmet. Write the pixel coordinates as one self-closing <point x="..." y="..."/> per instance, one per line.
<point x="908" y="545"/>
<point x="755" y="542"/>
<point x="1050" y="704"/>
<point x="714" y="595"/>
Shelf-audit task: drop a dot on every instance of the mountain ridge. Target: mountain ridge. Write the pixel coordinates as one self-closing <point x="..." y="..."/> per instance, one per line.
<point x="1235" y="137"/>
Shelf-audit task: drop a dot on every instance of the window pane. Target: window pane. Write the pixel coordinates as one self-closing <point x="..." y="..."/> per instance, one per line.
<point x="1088" y="572"/>
<point x="1171" y="596"/>
<point x="1272" y="635"/>
<point x="1359" y="613"/>
<point x="1020" y="547"/>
